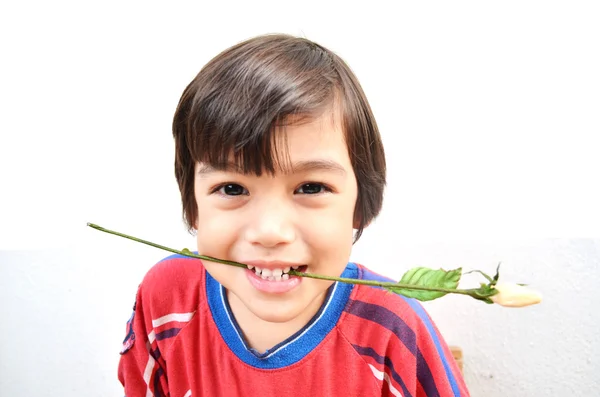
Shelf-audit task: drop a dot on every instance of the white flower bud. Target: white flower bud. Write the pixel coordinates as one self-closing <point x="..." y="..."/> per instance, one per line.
<point x="514" y="295"/>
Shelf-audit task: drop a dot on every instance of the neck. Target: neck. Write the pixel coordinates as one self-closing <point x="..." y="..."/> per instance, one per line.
<point x="262" y="335"/>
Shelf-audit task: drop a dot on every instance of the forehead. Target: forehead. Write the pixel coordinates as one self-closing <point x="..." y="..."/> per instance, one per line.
<point x="311" y="144"/>
<point x="322" y="135"/>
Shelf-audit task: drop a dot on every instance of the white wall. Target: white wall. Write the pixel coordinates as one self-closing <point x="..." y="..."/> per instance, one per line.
<point x="487" y="111"/>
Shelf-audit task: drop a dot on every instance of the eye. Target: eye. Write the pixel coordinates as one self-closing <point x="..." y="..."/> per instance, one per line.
<point x="231" y="189"/>
<point x="312" y="188"/>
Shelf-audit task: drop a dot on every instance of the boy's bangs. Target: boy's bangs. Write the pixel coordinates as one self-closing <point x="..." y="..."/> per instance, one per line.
<point x="262" y="151"/>
<point x="252" y="140"/>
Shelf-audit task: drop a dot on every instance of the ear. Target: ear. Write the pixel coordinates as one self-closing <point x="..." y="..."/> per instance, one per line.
<point x="357" y="220"/>
<point x="194" y="215"/>
<point x="193" y="230"/>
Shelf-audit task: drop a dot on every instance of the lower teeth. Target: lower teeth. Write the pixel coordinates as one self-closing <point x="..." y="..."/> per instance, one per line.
<point x="283" y="277"/>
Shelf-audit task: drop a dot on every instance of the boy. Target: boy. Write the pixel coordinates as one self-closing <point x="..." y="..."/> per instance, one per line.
<point x="279" y="161"/>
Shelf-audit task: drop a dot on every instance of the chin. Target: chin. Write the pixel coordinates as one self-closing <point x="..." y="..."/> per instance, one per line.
<point x="282" y="315"/>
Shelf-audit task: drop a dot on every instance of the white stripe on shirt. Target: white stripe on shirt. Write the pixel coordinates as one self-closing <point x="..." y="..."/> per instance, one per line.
<point x="383" y="376"/>
<point x="179" y="317"/>
<point x="148" y="374"/>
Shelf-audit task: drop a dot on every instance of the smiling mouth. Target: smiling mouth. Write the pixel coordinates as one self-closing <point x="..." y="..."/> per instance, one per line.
<point x="277" y="274"/>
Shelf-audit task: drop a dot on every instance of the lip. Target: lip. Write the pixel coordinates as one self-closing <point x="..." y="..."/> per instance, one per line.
<point x="272" y="287"/>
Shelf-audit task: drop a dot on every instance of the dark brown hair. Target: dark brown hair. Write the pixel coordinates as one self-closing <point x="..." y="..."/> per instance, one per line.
<point x="235" y="102"/>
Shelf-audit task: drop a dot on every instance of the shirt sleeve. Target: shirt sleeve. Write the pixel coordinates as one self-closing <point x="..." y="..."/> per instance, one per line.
<point x="141" y="367"/>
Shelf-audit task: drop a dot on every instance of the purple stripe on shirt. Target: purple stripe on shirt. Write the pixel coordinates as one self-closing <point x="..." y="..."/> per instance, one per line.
<point x="368" y="351"/>
<point x="386" y="318"/>
<point x="157" y="388"/>
<point x="425" y="376"/>
<point x="395" y="324"/>
<point x="169" y="333"/>
<point x="155" y="353"/>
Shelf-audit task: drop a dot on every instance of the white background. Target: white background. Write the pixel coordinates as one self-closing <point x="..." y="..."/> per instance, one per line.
<point x="489" y="112"/>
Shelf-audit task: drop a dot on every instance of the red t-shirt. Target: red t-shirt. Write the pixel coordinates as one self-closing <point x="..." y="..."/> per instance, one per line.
<point x="182" y="340"/>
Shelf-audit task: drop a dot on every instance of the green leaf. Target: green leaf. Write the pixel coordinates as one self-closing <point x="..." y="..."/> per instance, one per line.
<point x="482" y="273"/>
<point x="425" y="277"/>
<point x="497" y="276"/>
<point x="186" y="251"/>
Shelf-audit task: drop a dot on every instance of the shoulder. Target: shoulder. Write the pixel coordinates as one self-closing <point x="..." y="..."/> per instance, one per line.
<point x="378" y="305"/>
<point x="172" y="285"/>
<point x="174" y="270"/>
<point x="166" y="300"/>
<point x="396" y="336"/>
<point x="391" y="311"/>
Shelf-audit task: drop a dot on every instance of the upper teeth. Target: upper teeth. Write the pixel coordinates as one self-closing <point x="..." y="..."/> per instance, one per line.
<point x="273" y="274"/>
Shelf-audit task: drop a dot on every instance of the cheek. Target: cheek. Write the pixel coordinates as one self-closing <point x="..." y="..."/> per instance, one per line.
<point x="216" y="232"/>
<point x="330" y="232"/>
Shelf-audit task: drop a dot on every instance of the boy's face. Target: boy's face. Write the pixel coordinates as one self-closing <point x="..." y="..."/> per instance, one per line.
<point x="302" y="217"/>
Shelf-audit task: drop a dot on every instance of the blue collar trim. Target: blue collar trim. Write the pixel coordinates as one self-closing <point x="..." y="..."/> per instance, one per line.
<point x="295" y="347"/>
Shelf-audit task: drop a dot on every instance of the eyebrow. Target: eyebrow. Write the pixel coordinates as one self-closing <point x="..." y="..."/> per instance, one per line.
<point x="297" y="167"/>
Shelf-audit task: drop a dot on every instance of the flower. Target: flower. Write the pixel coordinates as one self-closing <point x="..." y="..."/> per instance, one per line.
<point x="420" y="283"/>
<point x="515" y="295"/>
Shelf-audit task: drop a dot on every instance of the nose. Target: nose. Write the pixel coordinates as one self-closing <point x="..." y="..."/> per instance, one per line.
<point x="271" y="224"/>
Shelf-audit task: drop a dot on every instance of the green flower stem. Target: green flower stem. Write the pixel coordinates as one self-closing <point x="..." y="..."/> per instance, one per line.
<point x="373" y="283"/>
<point x="383" y="284"/>
<point x="162" y="247"/>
